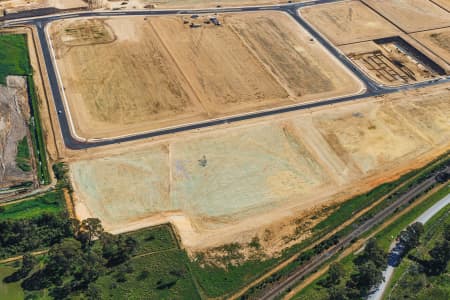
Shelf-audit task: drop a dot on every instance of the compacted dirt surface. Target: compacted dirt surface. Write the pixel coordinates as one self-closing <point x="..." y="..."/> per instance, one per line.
<point x="14" y="115"/>
<point x="348" y="22"/>
<point x="412" y="15"/>
<point x="436" y="40"/>
<point x="133" y="74"/>
<point x="233" y="182"/>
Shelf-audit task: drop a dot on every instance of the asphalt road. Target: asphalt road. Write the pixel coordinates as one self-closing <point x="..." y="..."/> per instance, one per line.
<point x="372" y="88"/>
<point x="315" y="262"/>
<point x="423" y="218"/>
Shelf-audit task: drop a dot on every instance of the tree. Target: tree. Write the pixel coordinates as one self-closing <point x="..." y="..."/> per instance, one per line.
<point x="372" y="252"/>
<point x="337" y="293"/>
<point x="410" y="237"/>
<point x="90" y="229"/>
<point x="440" y="254"/>
<point x="335" y="273"/>
<point x="93" y="292"/>
<point x="447" y="232"/>
<point x="117" y="248"/>
<point x="28" y="263"/>
<point x="367" y="277"/>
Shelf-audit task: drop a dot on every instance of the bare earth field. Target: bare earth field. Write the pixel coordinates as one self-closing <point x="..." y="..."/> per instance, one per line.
<point x="437" y="41"/>
<point x="14" y="114"/>
<point x="134" y="74"/>
<point x="232" y="183"/>
<point x="443" y="3"/>
<point x="189" y="3"/>
<point x="12" y="6"/>
<point x="412" y="15"/>
<point x="348" y="22"/>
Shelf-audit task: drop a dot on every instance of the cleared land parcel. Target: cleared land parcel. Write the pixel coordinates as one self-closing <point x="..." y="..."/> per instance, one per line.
<point x="436" y="40"/>
<point x="348" y="22"/>
<point x="412" y="15"/>
<point x="227" y="184"/>
<point x="161" y="72"/>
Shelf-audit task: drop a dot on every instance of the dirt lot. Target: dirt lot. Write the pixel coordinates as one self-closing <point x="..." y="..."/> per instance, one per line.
<point x="443" y="3"/>
<point x="160" y="72"/>
<point x="348" y="22"/>
<point x="437" y="41"/>
<point x="412" y="15"/>
<point x="14" y="115"/>
<point x="235" y="181"/>
<point x="12" y="6"/>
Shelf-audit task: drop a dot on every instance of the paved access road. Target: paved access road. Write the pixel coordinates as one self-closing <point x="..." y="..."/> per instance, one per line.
<point x="344" y="242"/>
<point x="372" y="88"/>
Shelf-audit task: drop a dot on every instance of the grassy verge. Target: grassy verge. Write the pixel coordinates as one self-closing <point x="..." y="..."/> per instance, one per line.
<point x="384" y="239"/>
<point x="51" y="202"/>
<point x="37" y="135"/>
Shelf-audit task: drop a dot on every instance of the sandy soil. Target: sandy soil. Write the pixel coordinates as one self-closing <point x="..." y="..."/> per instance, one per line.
<point x="348" y="22"/>
<point x="230" y="184"/>
<point x="437" y="41"/>
<point x="181" y="76"/>
<point x="14" y="115"/>
<point x="412" y="15"/>
<point x="442" y="3"/>
<point x="11" y="6"/>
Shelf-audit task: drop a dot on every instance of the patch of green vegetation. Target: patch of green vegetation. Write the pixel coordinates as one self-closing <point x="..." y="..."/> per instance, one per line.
<point x="156" y="239"/>
<point x="162" y="275"/>
<point x="51" y="202"/>
<point x="13" y="56"/>
<point x="10" y="291"/>
<point x="23" y="155"/>
<point x="388" y="235"/>
<point x="216" y="281"/>
<point x="425" y="273"/>
<point x="37" y="136"/>
<point x="145" y="264"/>
<point x="384" y="238"/>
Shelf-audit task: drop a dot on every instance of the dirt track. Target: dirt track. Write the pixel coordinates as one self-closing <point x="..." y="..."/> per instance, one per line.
<point x="229" y="184"/>
<point x="160" y="72"/>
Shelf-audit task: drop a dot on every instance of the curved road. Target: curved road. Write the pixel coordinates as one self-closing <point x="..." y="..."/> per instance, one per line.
<point x="372" y="88"/>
